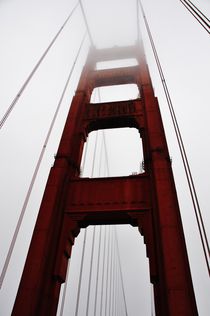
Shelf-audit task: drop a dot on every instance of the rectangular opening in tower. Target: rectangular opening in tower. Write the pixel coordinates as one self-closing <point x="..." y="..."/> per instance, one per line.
<point x="120" y="92"/>
<point x="118" y="63"/>
<point x="112" y="153"/>
<point x="118" y="262"/>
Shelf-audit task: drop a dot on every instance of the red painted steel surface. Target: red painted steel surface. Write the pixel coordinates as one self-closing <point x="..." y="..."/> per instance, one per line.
<point x="148" y="200"/>
<point x="108" y="200"/>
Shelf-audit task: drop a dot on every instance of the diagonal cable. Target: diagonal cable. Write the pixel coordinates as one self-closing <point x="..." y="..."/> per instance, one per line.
<point x="201" y="13"/>
<point x="198" y="15"/>
<point x="86" y="22"/>
<point x="28" y="194"/>
<point x="196" y="206"/>
<point x="20" y="92"/>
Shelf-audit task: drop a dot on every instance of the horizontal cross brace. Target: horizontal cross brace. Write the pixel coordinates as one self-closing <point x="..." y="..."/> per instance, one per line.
<point x="108" y="197"/>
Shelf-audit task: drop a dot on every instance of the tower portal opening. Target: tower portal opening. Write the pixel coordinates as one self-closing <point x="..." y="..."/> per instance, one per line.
<point x="118" y="63"/>
<point x="112" y="153"/>
<point x="123" y="262"/>
<point x="120" y="92"/>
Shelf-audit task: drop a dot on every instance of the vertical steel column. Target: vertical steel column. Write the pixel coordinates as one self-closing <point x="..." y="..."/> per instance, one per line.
<point x="54" y="232"/>
<point x="69" y="202"/>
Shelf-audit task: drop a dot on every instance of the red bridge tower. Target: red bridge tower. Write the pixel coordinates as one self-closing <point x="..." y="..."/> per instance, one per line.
<point x="147" y="200"/>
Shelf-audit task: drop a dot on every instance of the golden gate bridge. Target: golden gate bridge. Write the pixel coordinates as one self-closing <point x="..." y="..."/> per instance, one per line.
<point x="110" y="262"/>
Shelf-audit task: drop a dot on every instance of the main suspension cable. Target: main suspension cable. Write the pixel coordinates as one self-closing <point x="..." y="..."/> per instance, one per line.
<point x="137" y="20"/>
<point x="64" y="290"/>
<point x="36" y="170"/>
<point x="196" y="206"/>
<point x="20" y="92"/>
<point x="202" y="14"/>
<point x="198" y="14"/>
<point x="86" y="22"/>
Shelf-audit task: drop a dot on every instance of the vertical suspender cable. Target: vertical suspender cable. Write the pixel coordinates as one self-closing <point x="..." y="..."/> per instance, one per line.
<point x="94" y="154"/>
<point x="107" y="271"/>
<point x="10" y="108"/>
<point x="84" y="159"/>
<point x="94" y="229"/>
<point x="91" y="269"/>
<point x="106" y="153"/>
<point x="114" y="284"/>
<point x="84" y="241"/>
<point x="117" y="290"/>
<point x="64" y="291"/>
<point x="85" y="153"/>
<point x="100" y="159"/>
<point x="103" y="271"/>
<point x="111" y="276"/>
<point x="120" y="271"/>
<point x="116" y="270"/>
<point x="97" y="271"/>
<point x="101" y="150"/>
<point x="28" y="194"/>
<point x="197" y="210"/>
<point x="93" y="240"/>
<point x="104" y="141"/>
<point x="117" y="286"/>
<point x="80" y="273"/>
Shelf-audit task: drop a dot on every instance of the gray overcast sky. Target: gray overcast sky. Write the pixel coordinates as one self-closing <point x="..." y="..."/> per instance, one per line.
<point x="26" y="28"/>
